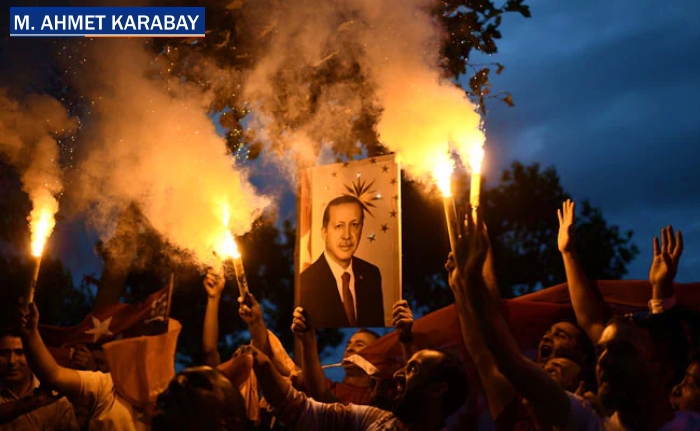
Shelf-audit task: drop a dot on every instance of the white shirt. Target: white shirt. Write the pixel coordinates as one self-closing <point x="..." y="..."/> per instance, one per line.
<point x="108" y="410"/>
<point x="338" y="274"/>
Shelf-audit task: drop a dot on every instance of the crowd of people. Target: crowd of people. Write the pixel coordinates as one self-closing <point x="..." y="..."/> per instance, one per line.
<point x="598" y="372"/>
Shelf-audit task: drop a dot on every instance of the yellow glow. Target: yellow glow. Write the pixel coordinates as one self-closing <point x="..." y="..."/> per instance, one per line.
<point x="442" y="172"/>
<point x="476" y="156"/>
<point x="227" y="246"/>
<point x="41" y="226"/>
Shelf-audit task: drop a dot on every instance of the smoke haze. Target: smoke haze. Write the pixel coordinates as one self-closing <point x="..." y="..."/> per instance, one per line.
<point x="151" y="141"/>
<point x="28" y="132"/>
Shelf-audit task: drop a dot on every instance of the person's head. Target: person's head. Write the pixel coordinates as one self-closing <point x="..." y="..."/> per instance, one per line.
<point x="431" y="382"/>
<point x="686" y="395"/>
<point x="359" y="340"/>
<point x="343" y="219"/>
<point x="625" y="371"/>
<point x="565" y="339"/>
<point x="14" y="370"/>
<point x="200" y="398"/>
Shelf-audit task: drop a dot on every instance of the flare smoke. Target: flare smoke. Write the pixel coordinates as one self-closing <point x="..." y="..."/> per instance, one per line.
<point x="27" y="138"/>
<point x="329" y="67"/>
<point x="151" y="141"/>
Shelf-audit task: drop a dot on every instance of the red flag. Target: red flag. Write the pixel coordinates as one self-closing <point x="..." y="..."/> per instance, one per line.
<point x="114" y="321"/>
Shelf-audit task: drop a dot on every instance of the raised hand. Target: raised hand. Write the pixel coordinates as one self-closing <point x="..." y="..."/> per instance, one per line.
<point x="301" y="327"/>
<point x="251" y="314"/>
<point x="664" y="265"/>
<point x="82" y="359"/>
<point x="402" y="317"/>
<point x="29" y="319"/>
<point x="259" y="358"/>
<point x="473" y="250"/>
<point x="477" y="246"/>
<point x="566" y="226"/>
<point x="214" y="284"/>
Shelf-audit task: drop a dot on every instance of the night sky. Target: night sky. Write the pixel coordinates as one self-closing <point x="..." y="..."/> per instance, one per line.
<point x="607" y="91"/>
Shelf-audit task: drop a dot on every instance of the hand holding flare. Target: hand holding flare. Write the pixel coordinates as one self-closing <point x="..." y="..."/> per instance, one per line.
<point x="229" y="250"/>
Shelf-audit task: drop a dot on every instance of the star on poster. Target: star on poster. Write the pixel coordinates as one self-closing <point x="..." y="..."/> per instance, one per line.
<point x="350" y="243"/>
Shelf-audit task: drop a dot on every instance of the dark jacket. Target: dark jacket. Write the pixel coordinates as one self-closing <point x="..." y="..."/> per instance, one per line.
<point x="321" y="299"/>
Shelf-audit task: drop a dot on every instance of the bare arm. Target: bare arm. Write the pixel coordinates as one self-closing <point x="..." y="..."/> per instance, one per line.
<point x="585" y="297"/>
<point x="489" y="273"/>
<point x="295" y="409"/>
<point x="549" y="401"/>
<point x="210" y="334"/>
<point x="402" y="320"/>
<point x="498" y="390"/>
<point x="42" y="363"/>
<point x="312" y="371"/>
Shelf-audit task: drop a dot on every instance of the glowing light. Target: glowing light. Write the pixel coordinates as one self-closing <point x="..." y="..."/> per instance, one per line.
<point x="442" y="172"/>
<point x="476" y="157"/>
<point x="227" y="247"/>
<point x="41" y="225"/>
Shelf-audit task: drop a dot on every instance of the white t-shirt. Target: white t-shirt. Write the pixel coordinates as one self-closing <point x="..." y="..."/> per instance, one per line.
<point x="582" y="417"/>
<point x="108" y="411"/>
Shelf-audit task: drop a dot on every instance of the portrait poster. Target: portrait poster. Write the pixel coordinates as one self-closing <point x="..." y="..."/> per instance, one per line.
<point x="358" y="250"/>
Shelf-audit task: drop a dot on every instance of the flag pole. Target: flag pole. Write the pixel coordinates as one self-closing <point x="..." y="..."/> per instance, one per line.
<point x="171" y="285"/>
<point x="297" y="353"/>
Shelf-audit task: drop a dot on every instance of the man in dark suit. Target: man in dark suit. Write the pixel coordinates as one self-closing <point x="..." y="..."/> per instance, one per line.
<point x="339" y="289"/>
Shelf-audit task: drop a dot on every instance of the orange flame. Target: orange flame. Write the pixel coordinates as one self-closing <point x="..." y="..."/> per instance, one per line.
<point x="227" y="246"/>
<point x="41" y="225"/>
<point x="442" y="172"/>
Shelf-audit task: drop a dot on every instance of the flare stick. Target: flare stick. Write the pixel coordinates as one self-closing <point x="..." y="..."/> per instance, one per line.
<point x="452" y="226"/>
<point x="240" y="276"/>
<point x="32" y="285"/>
<point x="474" y="194"/>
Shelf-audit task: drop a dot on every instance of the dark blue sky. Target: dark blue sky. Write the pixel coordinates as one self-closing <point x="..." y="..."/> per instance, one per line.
<point x="609" y="93"/>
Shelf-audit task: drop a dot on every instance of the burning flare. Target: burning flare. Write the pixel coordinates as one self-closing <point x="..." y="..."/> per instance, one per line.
<point x="41" y="224"/>
<point x="228" y="248"/>
<point x="442" y="172"/>
<point x="476" y="156"/>
<point x="443" y="176"/>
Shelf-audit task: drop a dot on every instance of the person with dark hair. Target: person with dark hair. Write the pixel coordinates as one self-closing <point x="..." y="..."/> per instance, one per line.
<point x="587" y="301"/>
<point x="564" y="354"/>
<point x="115" y="403"/>
<point x="200" y="398"/>
<point x="631" y="385"/>
<point x="23" y="404"/>
<point x="430" y="388"/>
<point x="685" y="396"/>
<point x="340" y="289"/>
<point x="357" y="386"/>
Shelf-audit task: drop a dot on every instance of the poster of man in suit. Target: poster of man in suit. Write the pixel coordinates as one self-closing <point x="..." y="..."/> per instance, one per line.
<point x="350" y="243"/>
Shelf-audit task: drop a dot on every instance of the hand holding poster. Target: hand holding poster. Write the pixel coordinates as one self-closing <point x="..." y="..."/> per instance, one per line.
<point x="350" y="243"/>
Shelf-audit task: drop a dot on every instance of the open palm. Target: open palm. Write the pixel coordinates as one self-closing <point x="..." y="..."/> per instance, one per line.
<point x="566" y="226"/>
<point x="664" y="265"/>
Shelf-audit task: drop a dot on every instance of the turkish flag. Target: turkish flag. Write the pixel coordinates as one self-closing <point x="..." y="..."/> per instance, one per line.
<point x="113" y="322"/>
